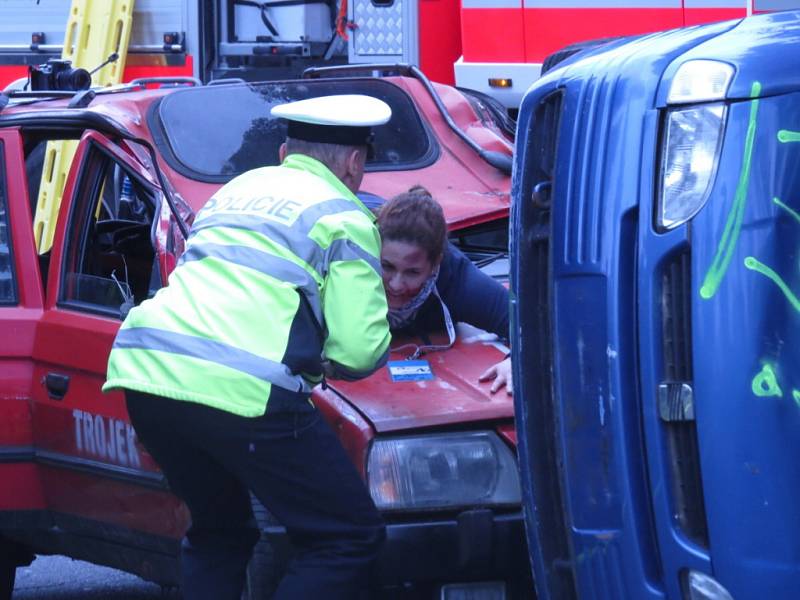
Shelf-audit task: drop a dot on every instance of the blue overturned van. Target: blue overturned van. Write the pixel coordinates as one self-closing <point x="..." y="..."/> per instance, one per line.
<point x="656" y="289"/>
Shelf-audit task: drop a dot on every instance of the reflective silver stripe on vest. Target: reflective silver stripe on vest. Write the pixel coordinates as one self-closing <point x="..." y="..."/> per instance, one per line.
<point x="295" y="237"/>
<point x="302" y="224"/>
<point x="349" y="250"/>
<point x="263" y="262"/>
<point x="351" y="375"/>
<point x="150" y="338"/>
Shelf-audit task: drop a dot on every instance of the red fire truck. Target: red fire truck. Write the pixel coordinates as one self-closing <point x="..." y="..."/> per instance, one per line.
<point x="505" y="42"/>
<point x="247" y="39"/>
<point x="494" y="46"/>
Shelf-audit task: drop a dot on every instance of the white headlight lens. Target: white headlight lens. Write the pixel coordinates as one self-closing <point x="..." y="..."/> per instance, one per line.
<point x="442" y="471"/>
<point x="690" y="154"/>
<point x="700" y="81"/>
<point x="700" y="586"/>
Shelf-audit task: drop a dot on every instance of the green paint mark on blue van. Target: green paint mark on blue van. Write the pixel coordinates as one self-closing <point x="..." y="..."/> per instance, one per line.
<point x="788" y="209"/>
<point x="733" y="225"/>
<point x="755" y="265"/>
<point x="765" y="383"/>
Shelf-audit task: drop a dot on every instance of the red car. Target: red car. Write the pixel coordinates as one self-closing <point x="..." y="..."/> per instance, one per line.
<point x="439" y="455"/>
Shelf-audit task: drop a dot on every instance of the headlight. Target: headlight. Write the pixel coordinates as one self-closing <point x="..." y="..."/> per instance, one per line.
<point x="692" y="139"/>
<point x="442" y="471"/>
<point x="690" y="154"/>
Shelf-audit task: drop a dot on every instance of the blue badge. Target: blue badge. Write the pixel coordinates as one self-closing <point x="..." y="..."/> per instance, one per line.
<point x="409" y="370"/>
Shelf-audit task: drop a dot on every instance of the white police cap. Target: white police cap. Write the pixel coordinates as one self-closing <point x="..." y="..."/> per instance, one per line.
<point x="339" y="119"/>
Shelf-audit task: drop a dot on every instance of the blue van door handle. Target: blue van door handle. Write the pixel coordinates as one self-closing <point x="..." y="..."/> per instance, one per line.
<point x="57" y="385"/>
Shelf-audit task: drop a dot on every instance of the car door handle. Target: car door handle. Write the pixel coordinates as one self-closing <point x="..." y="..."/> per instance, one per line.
<point x="57" y="385"/>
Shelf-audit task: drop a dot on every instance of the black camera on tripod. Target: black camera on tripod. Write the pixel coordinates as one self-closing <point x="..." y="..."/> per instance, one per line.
<point x="57" y="74"/>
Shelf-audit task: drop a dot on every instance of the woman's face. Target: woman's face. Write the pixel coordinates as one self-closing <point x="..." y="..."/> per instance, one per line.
<point x="406" y="268"/>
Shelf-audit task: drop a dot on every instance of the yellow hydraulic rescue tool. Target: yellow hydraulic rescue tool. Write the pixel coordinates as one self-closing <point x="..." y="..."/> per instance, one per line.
<point x="96" y="29"/>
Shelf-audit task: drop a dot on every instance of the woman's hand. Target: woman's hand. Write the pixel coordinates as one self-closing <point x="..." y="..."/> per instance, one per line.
<point x="501" y="373"/>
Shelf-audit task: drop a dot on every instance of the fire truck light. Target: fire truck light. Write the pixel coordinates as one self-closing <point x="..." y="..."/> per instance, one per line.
<point x="500" y="82"/>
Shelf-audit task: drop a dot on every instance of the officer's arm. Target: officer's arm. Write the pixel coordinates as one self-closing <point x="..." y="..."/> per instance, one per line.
<point x="354" y="304"/>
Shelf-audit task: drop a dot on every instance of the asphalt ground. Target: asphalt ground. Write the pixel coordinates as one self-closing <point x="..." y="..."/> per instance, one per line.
<point x="62" y="578"/>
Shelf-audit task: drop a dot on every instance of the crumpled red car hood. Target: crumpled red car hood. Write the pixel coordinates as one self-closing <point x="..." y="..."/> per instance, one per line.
<point x="454" y="395"/>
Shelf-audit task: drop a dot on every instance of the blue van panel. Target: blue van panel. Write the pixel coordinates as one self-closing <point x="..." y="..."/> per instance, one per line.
<point x="747" y="384"/>
<point x="752" y="48"/>
<point x="606" y="514"/>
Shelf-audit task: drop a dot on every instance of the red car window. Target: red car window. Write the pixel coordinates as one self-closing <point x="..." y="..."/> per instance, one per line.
<point x="8" y="292"/>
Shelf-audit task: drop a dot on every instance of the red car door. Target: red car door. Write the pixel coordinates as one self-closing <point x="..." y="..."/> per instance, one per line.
<point x="20" y="310"/>
<point x="108" y="254"/>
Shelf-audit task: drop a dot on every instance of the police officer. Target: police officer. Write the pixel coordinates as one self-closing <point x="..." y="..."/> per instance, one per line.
<point x="280" y="282"/>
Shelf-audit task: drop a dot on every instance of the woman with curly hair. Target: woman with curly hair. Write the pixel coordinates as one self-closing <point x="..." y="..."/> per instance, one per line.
<point x="430" y="283"/>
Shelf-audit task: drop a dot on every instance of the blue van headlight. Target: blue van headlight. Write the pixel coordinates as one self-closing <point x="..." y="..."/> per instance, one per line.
<point x="692" y="139"/>
<point x="442" y="471"/>
<point x="690" y="154"/>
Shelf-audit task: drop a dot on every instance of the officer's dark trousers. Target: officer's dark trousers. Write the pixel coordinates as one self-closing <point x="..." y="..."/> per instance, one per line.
<point x="295" y="466"/>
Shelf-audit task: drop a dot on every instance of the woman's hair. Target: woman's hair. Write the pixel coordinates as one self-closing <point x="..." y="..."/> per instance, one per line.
<point x="415" y="217"/>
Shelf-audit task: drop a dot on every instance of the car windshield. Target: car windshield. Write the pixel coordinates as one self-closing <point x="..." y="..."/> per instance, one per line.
<point x="214" y="133"/>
